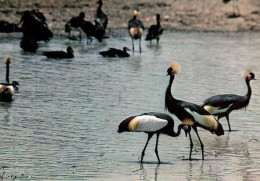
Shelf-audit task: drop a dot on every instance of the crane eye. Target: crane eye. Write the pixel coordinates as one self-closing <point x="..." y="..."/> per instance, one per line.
<point x="249" y="77"/>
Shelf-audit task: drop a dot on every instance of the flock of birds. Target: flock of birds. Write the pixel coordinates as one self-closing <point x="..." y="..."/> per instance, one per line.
<point x="192" y="116"/>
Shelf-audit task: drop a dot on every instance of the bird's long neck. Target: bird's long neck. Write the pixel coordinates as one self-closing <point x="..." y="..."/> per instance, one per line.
<point x="99" y="7"/>
<point x="168" y="95"/>
<point x="249" y="90"/>
<point x="158" y="22"/>
<point x="7" y="73"/>
<point x="173" y="134"/>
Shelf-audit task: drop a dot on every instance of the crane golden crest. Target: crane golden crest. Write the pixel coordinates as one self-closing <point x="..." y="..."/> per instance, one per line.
<point x="176" y="67"/>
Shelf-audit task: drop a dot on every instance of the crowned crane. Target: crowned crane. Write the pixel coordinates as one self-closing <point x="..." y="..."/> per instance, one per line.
<point x="7" y="89"/>
<point x="222" y="105"/>
<point x="155" y="31"/>
<point x="189" y="113"/>
<point x="113" y="52"/>
<point x="75" y="24"/>
<point x="135" y="28"/>
<point x="151" y="123"/>
<point x="101" y="19"/>
<point x="60" y="54"/>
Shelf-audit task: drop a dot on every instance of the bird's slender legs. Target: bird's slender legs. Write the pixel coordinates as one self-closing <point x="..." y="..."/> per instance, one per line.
<point x="143" y="152"/>
<point x="156" y="148"/>
<point x="191" y="145"/>
<point x="229" y="127"/>
<point x="157" y="41"/>
<point x="140" y="45"/>
<point x="201" y="144"/>
<point x="133" y="47"/>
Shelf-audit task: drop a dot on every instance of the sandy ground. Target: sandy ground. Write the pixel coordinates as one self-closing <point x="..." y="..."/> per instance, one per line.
<point x="198" y="15"/>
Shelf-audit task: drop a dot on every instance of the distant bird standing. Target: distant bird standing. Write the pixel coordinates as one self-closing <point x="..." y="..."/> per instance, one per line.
<point x="155" y="31"/>
<point x="151" y="123"/>
<point x="135" y="28"/>
<point x="91" y="31"/>
<point x="60" y="54"/>
<point x="189" y="113"/>
<point x="7" y="89"/>
<point x="222" y="105"/>
<point x="101" y="19"/>
<point x="112" y="52"/>
<point x="75" y="24"/>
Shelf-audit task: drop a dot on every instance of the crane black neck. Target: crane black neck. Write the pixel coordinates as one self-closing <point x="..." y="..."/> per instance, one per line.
<point x="7" y="73"/>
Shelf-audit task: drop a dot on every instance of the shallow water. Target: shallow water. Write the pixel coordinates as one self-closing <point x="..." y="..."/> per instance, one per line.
<point x="62" y="124"/>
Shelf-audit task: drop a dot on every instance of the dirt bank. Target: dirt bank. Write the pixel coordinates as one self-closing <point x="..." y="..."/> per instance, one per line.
<point x="204" y="15"/>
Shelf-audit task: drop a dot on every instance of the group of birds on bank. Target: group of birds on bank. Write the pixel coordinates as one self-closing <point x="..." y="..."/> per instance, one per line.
<point x="191" y="115"/>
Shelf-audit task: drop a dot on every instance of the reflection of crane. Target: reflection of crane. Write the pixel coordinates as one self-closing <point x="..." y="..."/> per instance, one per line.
<point x="236" y="10"/>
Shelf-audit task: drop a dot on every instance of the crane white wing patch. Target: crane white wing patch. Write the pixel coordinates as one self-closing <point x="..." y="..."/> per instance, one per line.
<point x="205" y="120"/>
<point x="215" y="110"/>
<point x="147" y="123"/>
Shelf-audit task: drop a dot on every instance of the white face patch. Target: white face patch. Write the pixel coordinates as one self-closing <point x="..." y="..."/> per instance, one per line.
<point x="147" y="123"/>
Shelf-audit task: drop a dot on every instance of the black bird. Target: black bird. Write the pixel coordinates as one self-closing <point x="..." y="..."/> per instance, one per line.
<point x="155" y="31"/>
<point x="135" y="28"/>
<point x="75" y="23"/>
<point x="190" y="113"/>
<point x="7" y="89"/>
<point x="222" y="105"/>
<point x="34" y="28"/>
<point x="29" y="44"/>
<point x="101" y="20"/>
<point x="151" y="123"/>
<point x="7" y="27"/>
<point x="112" y="52"/>
<point x="60" y="54"/>
<point x="91" y="31"/>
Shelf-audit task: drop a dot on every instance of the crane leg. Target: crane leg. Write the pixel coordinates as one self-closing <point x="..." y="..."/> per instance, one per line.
<point x="191" y="145"/>
<point x="201" y="144"/>
<point x="140" y="45"/>
<point x="143" y="152"/>
<point x="156" y="148"/>
<point x="133" y="46"/>
<point x="229" y="127"/>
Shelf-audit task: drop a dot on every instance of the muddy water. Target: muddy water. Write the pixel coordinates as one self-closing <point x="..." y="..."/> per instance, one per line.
<point x="62" y="124"/>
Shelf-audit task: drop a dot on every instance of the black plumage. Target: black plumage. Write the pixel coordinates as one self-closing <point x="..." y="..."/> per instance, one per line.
<point x="101" y="19"/>
<point x="60" y="54"/>
<point x="151" y="123"/>
<point x="91" y="31"/>
<point x="135" y="28"/>
<point x="113" y="52"/>
<point x="75" y="23"/>
<point x="190" y="113"/>
<point x="222" y="105"/>
<point x="155" y="31"/>
<point x="7" y="27"/>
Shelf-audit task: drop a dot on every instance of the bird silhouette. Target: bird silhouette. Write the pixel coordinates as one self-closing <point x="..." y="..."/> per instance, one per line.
<point x="113" y="52"/>
<point x="135" y="28"/>
<point x="189" y="113"/>
<point x="155" y="31"/>
<point x="222" y="105"/>
<point x="75" y="24"/>
<point x="101" y="19"/>
<point x="60" y="54"/>
<point x="151" y="123"/>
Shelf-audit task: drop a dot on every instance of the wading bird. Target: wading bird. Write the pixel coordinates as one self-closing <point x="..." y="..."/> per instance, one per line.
<point x="91" y="31"/>
<point x="155" y="31"/>
<point x="60" y="54"/>
<point x="75" y="24"/>
<point x="113" y="52"/>
<point x="135" y="28"/>
<point x="151" y="123"/>
<point x="7" y="89"/>
<point x="101" y="19"/>
<point x="189" y="113"/>
<point x="222" y="105"/>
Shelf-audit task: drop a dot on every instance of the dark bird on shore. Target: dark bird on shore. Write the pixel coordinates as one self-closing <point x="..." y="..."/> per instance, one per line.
<point x="101" y="20"/>
<point x="7" y="89"/>
<point x="91" y="31"/>
<point x="34" y="28"/>
<point x="222" y="105"/>
<point x="113" y="52"/>
<point x="60" y="54"/>
<point x="155" y="31"/>
<point x="236" y="10"/>
<point x="7" y="27"/>
<point x="75" y="24"/>
<point x="135" y="28"/>
<point x="151" y="123"/>
<point x="189" y="113"/>
<point x="29" y="44"/>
